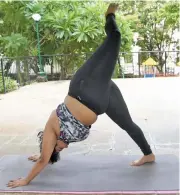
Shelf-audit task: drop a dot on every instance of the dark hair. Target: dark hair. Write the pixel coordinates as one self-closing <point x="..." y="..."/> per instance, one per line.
<point x="55" y="156"/>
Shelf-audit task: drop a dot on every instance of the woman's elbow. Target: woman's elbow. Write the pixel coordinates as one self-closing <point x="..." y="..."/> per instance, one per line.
<point x="43" y="161"/>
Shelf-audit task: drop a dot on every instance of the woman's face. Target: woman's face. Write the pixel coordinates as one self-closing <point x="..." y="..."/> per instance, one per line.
<point x="60" y="145"/>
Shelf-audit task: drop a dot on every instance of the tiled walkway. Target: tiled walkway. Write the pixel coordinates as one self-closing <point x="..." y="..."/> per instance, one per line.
<point x="153" y="104"/>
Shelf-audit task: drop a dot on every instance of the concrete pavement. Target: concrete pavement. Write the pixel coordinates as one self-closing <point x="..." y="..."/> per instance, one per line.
<point x="153" y="104"/>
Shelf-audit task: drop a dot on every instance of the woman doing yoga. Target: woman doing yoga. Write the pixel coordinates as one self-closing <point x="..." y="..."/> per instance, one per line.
<point x="91" y="93"/>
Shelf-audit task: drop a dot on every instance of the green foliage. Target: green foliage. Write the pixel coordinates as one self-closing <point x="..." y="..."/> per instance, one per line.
<point x="1" y="79"/>
<point x="77" y="27"/>
<point x="9" y="83"/>
<point x="170" y="12"/>
<point x="14" y="45"/>
<point x="156" y="22"/>
<point x="116" y="73"/>
<point x="15" y="28"/>
<point x="126" y="34"/>
<point x="71" y="28"/>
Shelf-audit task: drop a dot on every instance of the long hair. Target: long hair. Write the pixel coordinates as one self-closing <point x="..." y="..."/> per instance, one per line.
<point x="55" y="156"/>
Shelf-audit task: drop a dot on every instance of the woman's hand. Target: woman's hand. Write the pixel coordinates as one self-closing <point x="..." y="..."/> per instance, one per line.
<point x="48" y="145"/>
<point x="17" y="183"/>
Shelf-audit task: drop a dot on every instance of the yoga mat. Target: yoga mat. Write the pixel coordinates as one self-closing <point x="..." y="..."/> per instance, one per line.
<point x="94" y="174"/>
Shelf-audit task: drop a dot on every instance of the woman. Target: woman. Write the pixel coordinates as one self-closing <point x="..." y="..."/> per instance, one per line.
<point x="91" y="93"/>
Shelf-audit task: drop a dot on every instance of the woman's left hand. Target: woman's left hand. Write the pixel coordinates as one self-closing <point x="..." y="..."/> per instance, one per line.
<point x="17" y="183"/>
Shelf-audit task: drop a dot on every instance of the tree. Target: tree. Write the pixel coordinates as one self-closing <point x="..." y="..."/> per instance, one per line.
<point x="77" y="28"/>
<point x="14" y="46"/>
<point x="156" y="22"/>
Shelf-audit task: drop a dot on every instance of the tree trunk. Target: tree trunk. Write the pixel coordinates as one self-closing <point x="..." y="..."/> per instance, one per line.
<point x="26" y="73"/>
<point x="8" y="66"/>
<point x="120" y="69"/>
<point x="34" y="65"/>
<point x="18" y="71"/>
<point x="62" y="64"/>
<point x="159" y="58"/>
<point x="63" y="73"/>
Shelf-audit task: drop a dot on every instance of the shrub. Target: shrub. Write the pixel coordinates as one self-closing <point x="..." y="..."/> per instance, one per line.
<point x="10" y="84"/>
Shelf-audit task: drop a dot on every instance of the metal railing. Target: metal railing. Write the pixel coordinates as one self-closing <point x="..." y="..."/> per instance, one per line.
<point x="19" y="71"/>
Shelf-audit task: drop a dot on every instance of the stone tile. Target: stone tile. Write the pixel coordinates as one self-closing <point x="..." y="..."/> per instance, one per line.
<point x="99" y="137"/>
<point x="17" y="140"/>
<point x="164" y="137"/>
<point x="14" y="149"/>
<point x="78" y="148"/>
<point x="29" y="141"/>
<point x="161" y="114"/>
<point x="167" y="146"/>
<point x="16" y="128"/>
<point x="101" y="146"/>
<point x="123" y="143"/>
<point x="164" y="130"/>
<point x="4" y="139"/>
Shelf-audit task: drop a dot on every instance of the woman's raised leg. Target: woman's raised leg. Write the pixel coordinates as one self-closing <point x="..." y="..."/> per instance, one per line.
<point x="90" y="83"/>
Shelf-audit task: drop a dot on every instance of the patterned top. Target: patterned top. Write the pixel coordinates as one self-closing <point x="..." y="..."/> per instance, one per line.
<point x="72" y="130"/>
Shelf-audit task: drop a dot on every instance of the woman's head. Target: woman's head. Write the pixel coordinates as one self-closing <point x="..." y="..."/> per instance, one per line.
<point x="55" y="155"/>
<point x="60" y="145"/>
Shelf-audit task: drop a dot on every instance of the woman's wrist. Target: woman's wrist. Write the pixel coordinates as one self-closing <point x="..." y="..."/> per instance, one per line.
<point x="27" y="180"/>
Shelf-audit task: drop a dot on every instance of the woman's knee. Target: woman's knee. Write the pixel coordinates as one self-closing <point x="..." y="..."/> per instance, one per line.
<point x="126" y="125"/>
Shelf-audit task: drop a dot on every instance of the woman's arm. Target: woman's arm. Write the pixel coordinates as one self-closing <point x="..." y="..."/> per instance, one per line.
<point x="37" y="168"/>
<point x="48" y="144"/>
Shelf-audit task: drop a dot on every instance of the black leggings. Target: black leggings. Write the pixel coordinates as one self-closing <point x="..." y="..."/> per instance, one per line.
<point x="92" y="85"/>
<point x="117" y="110"/>
<point x="91" y="82"/>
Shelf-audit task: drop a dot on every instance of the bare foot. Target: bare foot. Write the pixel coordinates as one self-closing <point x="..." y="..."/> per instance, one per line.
<point x="33" y="158"/>
<point x="145" y="159"/>
<point x="112" y="8"/>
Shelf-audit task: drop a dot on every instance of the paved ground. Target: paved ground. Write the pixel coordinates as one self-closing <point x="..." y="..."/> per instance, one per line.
<point x="153" y="104"/>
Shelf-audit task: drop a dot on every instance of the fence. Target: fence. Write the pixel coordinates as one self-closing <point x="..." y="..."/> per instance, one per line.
<point x="19" y="71"/>
<point x="158" y="63"/>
